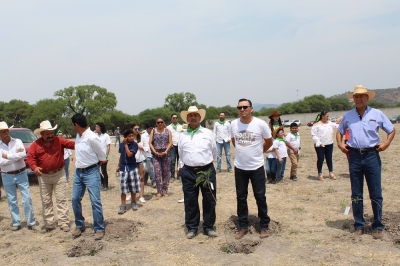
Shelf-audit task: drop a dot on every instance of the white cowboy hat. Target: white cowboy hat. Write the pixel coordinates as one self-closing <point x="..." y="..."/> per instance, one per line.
<point x="3" y="125"/>
<point x="193" y="109"/>
<point x="44" y="125"/>
<point x="360" y="89"/>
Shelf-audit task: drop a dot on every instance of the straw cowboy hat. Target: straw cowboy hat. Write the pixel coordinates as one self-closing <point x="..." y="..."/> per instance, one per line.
<point x="3" y="125"/>
<point x="360" y="89"/>
<point x="274" y="113"/>
<point x="184" y="127"/>
<point x="193" y="109"/>
<point x="44" y="125"/>
<point x="275" y="132"/>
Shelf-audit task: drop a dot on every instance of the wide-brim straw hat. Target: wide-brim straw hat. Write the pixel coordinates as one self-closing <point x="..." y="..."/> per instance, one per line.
<point x="193" y="109"/>
<point x="44" y="125"/>
<point x="360" y="89"/>
<point x="274" y="113"/>
<point x="3" y="125"/>
<point x="276" y="130"/>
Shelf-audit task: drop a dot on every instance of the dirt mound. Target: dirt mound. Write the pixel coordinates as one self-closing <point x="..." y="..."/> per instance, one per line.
<point x="121" y="229"/>
<point x="84" y="247"/>
<point x="392" y="226"/>
<point x="245" y="246"/>
<point x="254" y="225"/>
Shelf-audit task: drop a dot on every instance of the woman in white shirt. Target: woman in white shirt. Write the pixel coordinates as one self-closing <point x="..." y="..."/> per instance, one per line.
<point x="322" y="132"/>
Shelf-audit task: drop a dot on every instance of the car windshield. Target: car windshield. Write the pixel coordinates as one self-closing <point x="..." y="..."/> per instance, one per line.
<point x="394" y="116"/>
<point x="26" y="136"/>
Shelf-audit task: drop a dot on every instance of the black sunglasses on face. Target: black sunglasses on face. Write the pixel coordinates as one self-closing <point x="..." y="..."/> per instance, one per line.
<point x="159" y="122"/>
<point x="137" y="128"/>
<point x="242" y="107"/>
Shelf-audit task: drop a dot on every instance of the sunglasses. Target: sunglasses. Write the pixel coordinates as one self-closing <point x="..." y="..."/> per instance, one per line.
<point x="137" y="128"/>
<point x="242" y="107"/>
<point x="160" y="122"/>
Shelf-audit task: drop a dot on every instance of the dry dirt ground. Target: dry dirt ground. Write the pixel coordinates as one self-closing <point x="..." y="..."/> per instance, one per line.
<point x="307" y="224"/>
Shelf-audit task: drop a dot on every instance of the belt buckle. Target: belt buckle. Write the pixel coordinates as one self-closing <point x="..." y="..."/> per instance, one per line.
<point x="362" y="151"/>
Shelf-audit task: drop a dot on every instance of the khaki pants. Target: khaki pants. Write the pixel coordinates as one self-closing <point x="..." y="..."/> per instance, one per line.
<point x="54" y="182"/>
<point x="294" y="159"/>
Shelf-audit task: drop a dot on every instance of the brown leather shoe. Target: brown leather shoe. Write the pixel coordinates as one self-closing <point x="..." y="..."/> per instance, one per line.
<point x="359" y="232"/>
<point x="241" y="233"/>
<point x="98" y="235"/>
<point x="377" y="234"/>
<point x="78" y="231"/>
<point x="264" y="233"/>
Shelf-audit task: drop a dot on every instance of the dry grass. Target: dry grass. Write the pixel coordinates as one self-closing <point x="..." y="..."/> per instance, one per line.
<point x="309" y="227"/>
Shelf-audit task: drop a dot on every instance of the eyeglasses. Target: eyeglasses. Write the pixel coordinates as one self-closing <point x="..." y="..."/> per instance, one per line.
<point x="242" y="107"/>
<point x="160" y="122"/>
<point x="136" y="128"/>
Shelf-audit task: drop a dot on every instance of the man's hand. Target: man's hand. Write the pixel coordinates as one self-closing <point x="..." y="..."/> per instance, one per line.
<point x="38" y="171"/>
<point x="179" y="171"/>
<point x="295" y="151"/>
<point x="125" y="141"/>
<point x="117" y="170"/>
<point x="4" y="155"/>
<point x="382" y="146"/>
<point x="101" y="162"/>
<point x="343" y="148"/>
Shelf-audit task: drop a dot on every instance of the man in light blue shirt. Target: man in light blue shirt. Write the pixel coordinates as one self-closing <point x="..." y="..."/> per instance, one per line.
<point x="363" y="147"/>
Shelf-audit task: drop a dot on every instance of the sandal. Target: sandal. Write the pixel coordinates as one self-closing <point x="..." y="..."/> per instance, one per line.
<point x="332" y="176"/>
<point x="320" y="177"/>
<point x="158" y="196"/>
<point x="165" y="195"/>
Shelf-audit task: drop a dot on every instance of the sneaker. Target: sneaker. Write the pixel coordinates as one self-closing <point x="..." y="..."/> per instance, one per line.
<point x="98" y="235"/>
<point x="294" y="178"/>
<point x="142" y="200"/>
<point x="264" y="233"/>
<point x="182" y="200"/>
<point x="211" y="233"/>
<point x="122" y="209"/>
<point x="15" y="228"/>
<point x="78" y="231"/>
<point x="191" y="234"/>
<point x="134" y="206"/>
<point x="33" y="227"/>
<point x="65" y="228"/>
<point x="377" y="234"/>
<point x="241" y="233"/>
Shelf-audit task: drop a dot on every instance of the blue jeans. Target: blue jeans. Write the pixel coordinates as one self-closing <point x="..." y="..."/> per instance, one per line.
<point x="257" y="178"/>
<point x="270" y="165"/>
<point x="89" y="179"/>
<point x="368" y="165"/>
<point x="173" y="154"/>
<point x="66" y="168"/>
<point x="149" y="162"/>
<point x="280" y="168"/>
<point x="324" y="152"/>
<point x="10" y="183"/>
<point x="227" y="148"/>
<point x="117" y="139"/>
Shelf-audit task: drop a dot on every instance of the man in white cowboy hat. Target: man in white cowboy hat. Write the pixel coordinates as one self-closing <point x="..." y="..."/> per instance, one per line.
<point x="222" y="133"/>
<point x="46" y="159"/>
<point x="363" y="149"/>
<point x="252" y="137"/>
<point x="13" y="174"/>
<point x="197" y="151"/>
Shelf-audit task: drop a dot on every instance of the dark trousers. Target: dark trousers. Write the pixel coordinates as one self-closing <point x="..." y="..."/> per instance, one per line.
<point x="191" y="195"/>
<point x="104" y="175"/>
<point x="369" y="165"/>
<point x="324" y="152"/>
<point x="257" y="178"/>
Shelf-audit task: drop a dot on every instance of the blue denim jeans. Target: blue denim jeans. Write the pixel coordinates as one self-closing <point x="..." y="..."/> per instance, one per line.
<point x="149" y="162"/>
<point x="10" y="183"/>
<point x="280" y="168"/>
<point x="117" y="139"/>
<point x="227" y="147"/>
<point x="270" y="165"/>
<point x="173" y="154"/>
<point x="66" y="168"/>
<point x="89" y="179"/>
<point x="368" y="165"/>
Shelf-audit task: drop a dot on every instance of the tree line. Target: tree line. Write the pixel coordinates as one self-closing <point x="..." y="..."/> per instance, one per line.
<point x="98" y="105"/>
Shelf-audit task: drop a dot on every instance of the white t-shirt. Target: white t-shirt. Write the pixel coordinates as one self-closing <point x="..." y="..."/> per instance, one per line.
<point x="322" y="133"/>
<point x="271" y="154"/>
<point x="249" y="141"/>
<point x="281" y="147"/>
<point x="294" y="141"/>
<point x="104" y="140"/>
<point x="139" y="154"/>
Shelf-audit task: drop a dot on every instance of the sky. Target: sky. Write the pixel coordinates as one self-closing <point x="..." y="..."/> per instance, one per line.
<point x="270" y="52"/>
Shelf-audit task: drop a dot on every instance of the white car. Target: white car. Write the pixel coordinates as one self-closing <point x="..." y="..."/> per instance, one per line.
<point x="288" y="123"/>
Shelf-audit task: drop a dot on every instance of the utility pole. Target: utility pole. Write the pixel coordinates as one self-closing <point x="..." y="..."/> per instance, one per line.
<point x="297" y="95"/>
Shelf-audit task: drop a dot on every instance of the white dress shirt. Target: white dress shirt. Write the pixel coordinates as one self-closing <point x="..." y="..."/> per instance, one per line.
<point x="15" y="160"/>
<point x="67" y="153"/>
<point x="88" y="150"/>
<point x="197" y="151"/>
<point x="146" y="147"/>
<point x="222" y="132"/>
<point x="104" y="140"/>
<point x="175" y="133"/>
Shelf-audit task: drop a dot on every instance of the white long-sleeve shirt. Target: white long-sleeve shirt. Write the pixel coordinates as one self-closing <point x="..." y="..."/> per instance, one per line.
<point x="322" y="133"/>
<point x="15" y="159"/>
<point x="222" y="132"/>
<point x="88" y="150"/>
<point x="146" y="147"/>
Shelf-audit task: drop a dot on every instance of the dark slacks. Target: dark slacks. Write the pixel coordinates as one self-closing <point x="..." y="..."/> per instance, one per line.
<point x="257" y="178"/>
<point x="191" y="195"/>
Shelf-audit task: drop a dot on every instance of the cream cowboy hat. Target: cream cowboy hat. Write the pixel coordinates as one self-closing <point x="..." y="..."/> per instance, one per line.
<point x="44" y="125"/>
<point x="193" y="109"/>
<point x="276" y="130"/>
<point x="3" y="125"/>
<point x="360" y="89"/>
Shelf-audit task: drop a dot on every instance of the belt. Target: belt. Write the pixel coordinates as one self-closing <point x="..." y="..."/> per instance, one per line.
<point x="52" y="172"/>
<point x="198" y="168"/>
<point x="364" y="150"/>
<point x="88" y="168"/>
<point x="16" y="171"/>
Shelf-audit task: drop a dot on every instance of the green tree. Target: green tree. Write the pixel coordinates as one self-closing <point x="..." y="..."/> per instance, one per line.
<point x="376" y="104"/>
<point x="180" y="101"/>
<point x="339" y="104"/>
<point x="317" y="103"/>
<point x="15" y="112"/>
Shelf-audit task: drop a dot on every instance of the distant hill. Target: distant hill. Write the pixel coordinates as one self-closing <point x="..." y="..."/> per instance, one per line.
<point x="387" y="96"/>
<point x="257" y="106"/>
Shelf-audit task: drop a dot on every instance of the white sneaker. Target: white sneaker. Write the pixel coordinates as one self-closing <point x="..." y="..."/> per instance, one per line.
<point x="142" y="200"/>
<point x="181" y="200"/>
<point x="128" y="197"/>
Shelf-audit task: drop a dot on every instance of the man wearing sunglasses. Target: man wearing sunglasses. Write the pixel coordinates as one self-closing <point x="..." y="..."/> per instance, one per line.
<point x="251" y="137"/>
